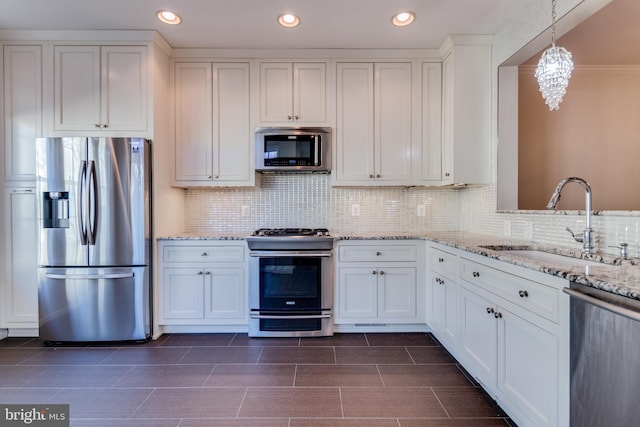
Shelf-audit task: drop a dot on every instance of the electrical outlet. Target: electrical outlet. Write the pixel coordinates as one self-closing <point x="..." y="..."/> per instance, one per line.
<point x="355" y="210"/>
<point x="422" y="210"/>
<point x="507" y="228"/>
<point x="528" y="230"/>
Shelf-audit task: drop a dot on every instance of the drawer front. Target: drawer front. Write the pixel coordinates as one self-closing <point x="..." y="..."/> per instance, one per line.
<point x="203" y="253"/>
<point x="443" y="263"/>
<point x="535" y="297"/>
<point x="401" y="253"/>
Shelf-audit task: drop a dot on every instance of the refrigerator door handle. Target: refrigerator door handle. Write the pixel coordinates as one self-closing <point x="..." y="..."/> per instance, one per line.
<point x="82" y="229"/>
<point x="93" y="204"/>
<point x="89" y="276"/>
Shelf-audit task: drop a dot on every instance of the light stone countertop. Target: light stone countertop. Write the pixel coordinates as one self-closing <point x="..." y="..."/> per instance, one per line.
<point x="621" y="277"/>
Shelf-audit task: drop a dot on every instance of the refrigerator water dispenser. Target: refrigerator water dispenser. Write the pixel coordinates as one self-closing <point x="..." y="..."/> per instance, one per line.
<point x="55" y="209"/>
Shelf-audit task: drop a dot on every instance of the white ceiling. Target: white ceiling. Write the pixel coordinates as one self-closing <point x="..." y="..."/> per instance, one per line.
<point x="252" y="23"/>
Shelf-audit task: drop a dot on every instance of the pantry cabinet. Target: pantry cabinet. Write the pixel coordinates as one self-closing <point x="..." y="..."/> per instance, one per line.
<point x="101" y="90"/>
<point x="213" y="134"/>
<point x="374" y="133"/>
<point x="203" y="284"/>
<point x="293" y="93"/>
<point x="19" y="289"/>
<point x="378" y="283"/>
<point x="22" y="83"/>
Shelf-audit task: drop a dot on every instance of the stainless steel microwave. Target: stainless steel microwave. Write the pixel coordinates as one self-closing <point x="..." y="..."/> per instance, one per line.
<point x="293" y="149"/>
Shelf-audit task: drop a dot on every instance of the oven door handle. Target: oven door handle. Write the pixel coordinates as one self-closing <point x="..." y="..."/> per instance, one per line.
<point x="299" y="254"/>
<point x="301" y="316"/>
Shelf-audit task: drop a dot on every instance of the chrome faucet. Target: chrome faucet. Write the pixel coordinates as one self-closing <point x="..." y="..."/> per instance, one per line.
<point x="587" y="238"/>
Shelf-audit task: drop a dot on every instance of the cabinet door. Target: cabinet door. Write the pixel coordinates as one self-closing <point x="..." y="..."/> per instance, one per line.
<point x="430" y="160"/>
<point x="393" y="122"/>
<point x="354" y="157"/>
<point x="276" y="92"/>
<point x="479" y="338"/>
<point x="231" y="128"/>
<point x="20" y="296"/>
<point x="224" y="294"/>
<point x="193" y="103"/>
<point x="310" y="93"/>
<point x="22" y="110"/>
<point x="528" y="368"/>
<point x="182" y="293"/>
<point x="444" y="310"/>
<point x="397" y="293"/>
<point x="358" y="293"/>
<point x="77" y="88"/>
<point x="124" y="90"/>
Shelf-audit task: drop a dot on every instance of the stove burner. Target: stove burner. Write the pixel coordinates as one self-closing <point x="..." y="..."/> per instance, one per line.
<point x="286" y="232"/>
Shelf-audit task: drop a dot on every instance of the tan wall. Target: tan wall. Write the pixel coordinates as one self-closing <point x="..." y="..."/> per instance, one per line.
<point x="595" y="135"/>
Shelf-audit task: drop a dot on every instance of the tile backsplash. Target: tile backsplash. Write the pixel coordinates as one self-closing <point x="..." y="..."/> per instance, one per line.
<point x="310" y="201"/>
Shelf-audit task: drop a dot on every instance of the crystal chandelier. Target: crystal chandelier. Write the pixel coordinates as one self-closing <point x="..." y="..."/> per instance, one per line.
<point x="554" y="68"/>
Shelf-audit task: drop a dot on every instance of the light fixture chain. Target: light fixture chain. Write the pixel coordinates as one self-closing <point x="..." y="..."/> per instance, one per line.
<point x="553" y="22"/>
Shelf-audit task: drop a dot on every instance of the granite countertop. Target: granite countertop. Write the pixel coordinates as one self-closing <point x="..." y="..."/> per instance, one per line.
<point x="615" y="275"/>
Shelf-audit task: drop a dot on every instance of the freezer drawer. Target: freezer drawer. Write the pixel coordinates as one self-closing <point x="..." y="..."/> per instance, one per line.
<point x="94" y="304"/>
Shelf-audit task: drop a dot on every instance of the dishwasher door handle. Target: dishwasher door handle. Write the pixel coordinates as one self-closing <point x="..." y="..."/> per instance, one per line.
<point x="623" y="311"/>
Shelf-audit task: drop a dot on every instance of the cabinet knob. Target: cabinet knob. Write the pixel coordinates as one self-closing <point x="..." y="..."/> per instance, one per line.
<point x="210" y="177"/>
<point x="490" y="310"/>
<point x="447" y="174"/>
<point x="204" y="254"/>
<point x="523" y="294"/>
<point x="296" y="117"/>
<point x="475" y="274"/>
<point x="289" y="117"/>
<point x="497" y="315"/>
<point x="97" y="125"/>
<point x="200" y="273"/>
<point x="105" y="126"/>
<point x="374" y="272"/>
<point x="440" y="259"/>
<point x="378" y="176"/>
<point x="371" y="176"/>
<point x="216" y="176"/>
<point x="208" y="273"/>
<point x="381" y="272"/>
<point x="378" y="253"/>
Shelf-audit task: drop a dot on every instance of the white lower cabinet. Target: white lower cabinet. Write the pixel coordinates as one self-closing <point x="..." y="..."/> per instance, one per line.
<point x="203" y="284"/>
<point x="377" y="284"/>
<point x="513" y="331"/>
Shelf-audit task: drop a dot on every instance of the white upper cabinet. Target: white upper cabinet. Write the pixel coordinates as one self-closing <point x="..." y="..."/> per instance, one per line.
<point x="466" y="111"/>
<point x="213" y="133"/>
<point x="293" y="93"/>
<point x="101" y="89"/>
<point x="428" y="163"/>
<point x="374" y="131"/>
<point x="22" y="75"/>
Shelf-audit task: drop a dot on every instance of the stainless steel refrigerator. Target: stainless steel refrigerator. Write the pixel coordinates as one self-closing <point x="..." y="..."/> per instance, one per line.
<point x="94" y="197"/>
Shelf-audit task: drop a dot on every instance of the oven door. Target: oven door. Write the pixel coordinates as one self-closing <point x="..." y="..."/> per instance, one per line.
<point x="290" y="293"/>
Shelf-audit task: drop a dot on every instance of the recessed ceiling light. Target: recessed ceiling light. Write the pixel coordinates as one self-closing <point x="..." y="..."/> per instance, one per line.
<point x="168" y="17"/>
<point x="288" y="20"/>
<point x="403" y="18"/>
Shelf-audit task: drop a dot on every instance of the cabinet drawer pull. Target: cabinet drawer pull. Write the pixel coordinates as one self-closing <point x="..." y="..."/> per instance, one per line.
<point x="490" y="310"/>
<point x="523" y="294"/>
<point x="475" y="274"/>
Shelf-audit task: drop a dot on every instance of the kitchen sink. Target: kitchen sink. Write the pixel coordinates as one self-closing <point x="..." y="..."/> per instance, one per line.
<point x="543" y="257"/>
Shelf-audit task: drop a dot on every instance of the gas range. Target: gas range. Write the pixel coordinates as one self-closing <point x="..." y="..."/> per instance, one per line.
<point x="274" y="239"/>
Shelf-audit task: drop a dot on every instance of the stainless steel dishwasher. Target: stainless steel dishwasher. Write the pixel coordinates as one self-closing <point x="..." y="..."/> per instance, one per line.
<point x="605" y="358"/>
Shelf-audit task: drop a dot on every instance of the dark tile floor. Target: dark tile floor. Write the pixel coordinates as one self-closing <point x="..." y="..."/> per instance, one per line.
<point x="348" y="380"/>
